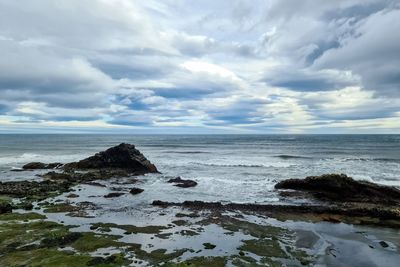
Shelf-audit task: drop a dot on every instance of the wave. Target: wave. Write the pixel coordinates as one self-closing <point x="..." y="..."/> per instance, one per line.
<point x="372" y="159"/>
<point x="230" y="165"/>
<point x="17" y="160"/>
<point x="292" y="157"/>
<point x="186" y="152"/>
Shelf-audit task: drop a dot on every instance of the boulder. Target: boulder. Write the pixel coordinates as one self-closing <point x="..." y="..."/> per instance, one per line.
<point x="135" y="191"/>
<point x="184" y="183"/>
<point x="341" y="188"/>
<point x="5" y="208"/>
<point x="123" y="156"/>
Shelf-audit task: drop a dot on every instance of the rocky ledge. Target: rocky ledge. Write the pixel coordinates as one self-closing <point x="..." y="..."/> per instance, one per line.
<point x="344" y="200"/>
<point x="120" y="161"/>
<point x="341" y="188"/>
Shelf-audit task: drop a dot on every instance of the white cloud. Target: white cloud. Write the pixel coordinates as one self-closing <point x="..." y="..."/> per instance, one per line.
<point x="236" y="66"/>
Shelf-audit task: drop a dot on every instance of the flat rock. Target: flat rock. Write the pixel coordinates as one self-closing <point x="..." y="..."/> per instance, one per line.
<point x="341" y="188"/>
<point x="32" y="188"/>
<point x="184" y="183"/>
<point x="114" y="194"/>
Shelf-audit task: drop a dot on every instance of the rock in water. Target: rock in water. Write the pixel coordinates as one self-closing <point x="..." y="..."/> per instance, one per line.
<point x="341" y="188"/>
<point x="135" y="191"/>
<point x="40" y="165"/>
<point x="123" y="156"/>
<point x="184" y="183"/>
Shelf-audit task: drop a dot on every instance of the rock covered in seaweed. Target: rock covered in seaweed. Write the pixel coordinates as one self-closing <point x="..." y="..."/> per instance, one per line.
<point x="123" y="156"/>
<point x="341" y="188"/>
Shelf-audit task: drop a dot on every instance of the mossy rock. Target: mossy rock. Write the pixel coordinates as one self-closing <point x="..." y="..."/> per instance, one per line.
<point x="43" y="258"/>
<point x="201" y="262"/>
<point x="151" y="229"/>
<point x="60" y="207"/>
<point x="158" y="256"/>
<point x="264" y="247"/>
<point x="21" y="216"/>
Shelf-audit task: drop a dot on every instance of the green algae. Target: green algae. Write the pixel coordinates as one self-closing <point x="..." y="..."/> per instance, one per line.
<point x="36" y="243"/>
<point x="5" y="199"/>
<point x="17" y="235"/>
<point x="200" y="262"/>
<point x="158" y="256"/>
<point x="60" y="208"/>
<point x="43" y="258"/>
<point x="163" y="235"/>
<point x="106" y="227"/>
<point x="21" y="216"/>
<point x="253" y="229"/>
<point x="244" y="261"/>
<point x="117" y="259"/>
<point x="187" y="233"/>
<point x="180" y="222"/>
<point x="90" y="242"/>
<point x="264" y="247"/>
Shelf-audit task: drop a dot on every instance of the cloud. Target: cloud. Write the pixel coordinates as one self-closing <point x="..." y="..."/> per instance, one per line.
<point x="205" y="66"/>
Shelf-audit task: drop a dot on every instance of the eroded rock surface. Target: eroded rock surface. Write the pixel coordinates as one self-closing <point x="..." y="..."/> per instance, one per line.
<point x="123" y="156"/>
<point x="341" y="188"/>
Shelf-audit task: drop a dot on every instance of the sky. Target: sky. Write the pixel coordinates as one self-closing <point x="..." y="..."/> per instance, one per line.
<point x="174" y="66"/>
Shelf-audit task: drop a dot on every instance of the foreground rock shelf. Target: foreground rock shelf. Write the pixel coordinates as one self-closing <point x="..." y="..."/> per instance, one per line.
<point x="33" y="239"/>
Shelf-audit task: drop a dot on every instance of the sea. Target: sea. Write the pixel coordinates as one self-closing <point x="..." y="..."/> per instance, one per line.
<point x="228" y="168"/>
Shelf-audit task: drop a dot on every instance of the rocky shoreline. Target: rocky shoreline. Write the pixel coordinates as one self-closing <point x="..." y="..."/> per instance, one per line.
<point x="336" y="198"/>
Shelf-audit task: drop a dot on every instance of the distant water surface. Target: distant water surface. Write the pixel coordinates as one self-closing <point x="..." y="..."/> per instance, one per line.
<point x="240" y="168"/>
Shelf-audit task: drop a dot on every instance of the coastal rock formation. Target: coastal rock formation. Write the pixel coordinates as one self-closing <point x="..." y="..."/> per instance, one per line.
<point x="184" y="183"/>
<point x="341" y="188"/>
<point x="40" y="165"/>
<point x="123" y="156"/>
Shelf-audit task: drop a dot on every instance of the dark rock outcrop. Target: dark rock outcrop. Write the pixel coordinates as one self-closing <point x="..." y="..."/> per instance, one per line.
<point x="184" y="183"/>
<point x="33" y="189"/>
<point x="123" y="156"/>
<point x="341" y="188"/>
<point x="135" y="191"/>
<point x="114" y="194"/>
<point x="40" y="165"/>
<point x="5" y="208"/>
<point x="119" y="161"/>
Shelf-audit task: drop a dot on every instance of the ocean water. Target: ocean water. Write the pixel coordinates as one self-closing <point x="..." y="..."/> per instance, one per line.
<point x="238" y="168"/>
